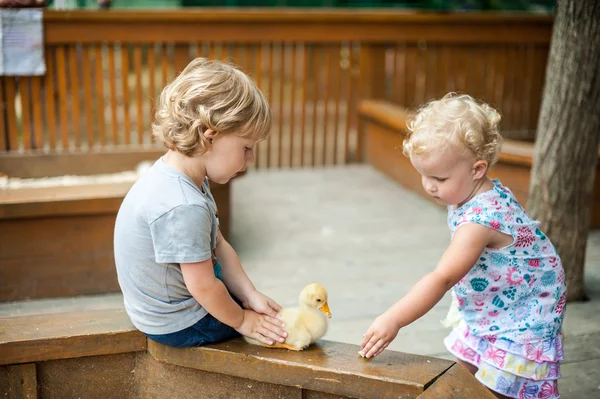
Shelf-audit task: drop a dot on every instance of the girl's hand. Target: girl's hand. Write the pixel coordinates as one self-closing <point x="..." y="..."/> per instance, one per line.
<point x="262" y="304"/>
<point x="383" y="331"/>
<point x="266" y="329"/>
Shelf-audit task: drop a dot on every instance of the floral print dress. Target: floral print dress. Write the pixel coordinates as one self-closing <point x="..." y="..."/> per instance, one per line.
<point x="511" y="302"/>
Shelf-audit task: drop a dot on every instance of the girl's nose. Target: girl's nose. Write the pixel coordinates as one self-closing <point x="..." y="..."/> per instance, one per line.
<point x="429" y="187"/>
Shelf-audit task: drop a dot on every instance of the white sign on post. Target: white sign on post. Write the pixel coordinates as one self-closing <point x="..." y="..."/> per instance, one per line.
<point x="21" y="42"/>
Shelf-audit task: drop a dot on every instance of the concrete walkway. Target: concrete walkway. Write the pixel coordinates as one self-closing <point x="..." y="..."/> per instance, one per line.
<point x="368" y="241"/>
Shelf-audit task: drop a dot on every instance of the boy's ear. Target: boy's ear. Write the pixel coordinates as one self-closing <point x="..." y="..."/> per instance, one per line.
<point x="210" y="134"/>
<point x="480" y="169"/>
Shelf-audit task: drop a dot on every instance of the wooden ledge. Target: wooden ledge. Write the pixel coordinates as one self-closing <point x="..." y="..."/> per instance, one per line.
<point x="385" y="113"/>
<point x="62" y="201"/>
<point x="26" y="339"/>
<point x="394" y="117"/>
<point x="327" y="366"/>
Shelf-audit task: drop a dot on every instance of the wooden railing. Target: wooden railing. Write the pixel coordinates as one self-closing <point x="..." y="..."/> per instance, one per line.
<point x="105" y="68"/>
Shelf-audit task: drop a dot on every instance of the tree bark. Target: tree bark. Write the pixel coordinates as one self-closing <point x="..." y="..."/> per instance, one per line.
<point x="566" y="148"/>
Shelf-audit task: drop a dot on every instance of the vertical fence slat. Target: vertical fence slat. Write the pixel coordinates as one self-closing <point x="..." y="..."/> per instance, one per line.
<point x="61" y="77"/>
<point x="211" y="51"/>
<point x="112" y="77"/>
<point x="336" y="113"/>
<point x="11" y="114"/>
<point x="292" y="103"/>
<point x="258" y="78"/>
<point x="125" y="84"/>
<point x="421" y="73"/>
<point x="304" y="98"/>
<point x="50" y="99"/>
<point x="410" y="76"/>
<point x="25" y="112"/>
<point x="137" y="61"/>
<point x="75" y="100"/>
<point x="151" y="81"/>
<point x="281" y="102"/>
<point x="399" y="94"/>
<point x="316" y="56"/>
<point x="350" y="110"/>
<point x="181" y="57"/>
<point x="270" y="139"/>
<point x="248" y="60"/>
<point x="37" y="104"/>
<point x="327" y="87"/>
<point x="164" y="64"/>
<point x="87" y="88"/>
<point x="100" y="95"/>
<point x="3" y="129"/>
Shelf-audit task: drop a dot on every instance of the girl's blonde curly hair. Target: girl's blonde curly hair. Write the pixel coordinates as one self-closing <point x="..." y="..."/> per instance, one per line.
<point x="459" y="121"/>
<point x="209" y="95"/>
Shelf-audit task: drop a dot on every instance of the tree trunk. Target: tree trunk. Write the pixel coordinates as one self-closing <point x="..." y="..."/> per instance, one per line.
<point x="566" y="148"/>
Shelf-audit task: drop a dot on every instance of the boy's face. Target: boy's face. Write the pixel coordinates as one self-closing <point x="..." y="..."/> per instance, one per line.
<point x="228" y="155"/>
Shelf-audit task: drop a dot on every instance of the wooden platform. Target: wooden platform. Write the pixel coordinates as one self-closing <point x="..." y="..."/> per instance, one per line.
<point x="385" y="130"/>
<point x="98" y="353"/>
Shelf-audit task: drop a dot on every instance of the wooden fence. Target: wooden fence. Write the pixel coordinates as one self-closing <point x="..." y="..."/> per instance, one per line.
<point x="104" y="69"/>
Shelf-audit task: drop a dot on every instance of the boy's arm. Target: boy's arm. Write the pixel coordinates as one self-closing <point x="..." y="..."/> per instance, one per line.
<point x="210" y="292"/>
<point x="238" y="282"/>
<point x="464" y="250"/>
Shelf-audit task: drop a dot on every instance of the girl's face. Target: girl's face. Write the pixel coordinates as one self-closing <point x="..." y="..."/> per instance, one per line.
<point x="228" y="155"/>
<point x="451" y="179"/>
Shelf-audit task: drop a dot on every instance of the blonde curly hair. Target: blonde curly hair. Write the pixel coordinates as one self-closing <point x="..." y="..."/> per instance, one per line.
<point x="209" y="95"/>
<point x="459" y="121"/>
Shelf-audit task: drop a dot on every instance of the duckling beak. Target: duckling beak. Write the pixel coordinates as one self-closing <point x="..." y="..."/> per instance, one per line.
<point x="325" y="309"/>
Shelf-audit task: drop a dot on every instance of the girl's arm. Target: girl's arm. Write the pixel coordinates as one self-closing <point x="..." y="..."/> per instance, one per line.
<point x="464" y="250"/>
<point x="238" y="283"/>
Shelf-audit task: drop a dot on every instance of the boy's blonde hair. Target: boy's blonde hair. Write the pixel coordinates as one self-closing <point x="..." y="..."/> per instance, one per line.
<point x="455" y="120"/>
<point x="209" y="95"/>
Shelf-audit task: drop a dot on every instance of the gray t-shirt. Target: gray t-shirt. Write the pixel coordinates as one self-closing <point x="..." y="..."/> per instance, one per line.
<point x="164" y="220"/>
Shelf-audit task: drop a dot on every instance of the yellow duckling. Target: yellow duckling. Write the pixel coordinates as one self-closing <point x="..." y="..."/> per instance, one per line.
<point x="305" y="324"/>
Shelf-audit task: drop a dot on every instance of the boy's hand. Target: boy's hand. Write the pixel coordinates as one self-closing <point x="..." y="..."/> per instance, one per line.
<point x="266" y="329"/>
<point x="383" y="331"/>
<point x="262" y="304"/>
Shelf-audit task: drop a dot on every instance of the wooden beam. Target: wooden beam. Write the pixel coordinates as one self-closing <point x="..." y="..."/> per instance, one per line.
<point x="330" y="367"/>
<point x="22" y="381"/>
<point x="292" y="25"/>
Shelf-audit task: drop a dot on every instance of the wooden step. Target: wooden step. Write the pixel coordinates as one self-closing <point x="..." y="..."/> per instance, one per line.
<point x="65" y="335"/>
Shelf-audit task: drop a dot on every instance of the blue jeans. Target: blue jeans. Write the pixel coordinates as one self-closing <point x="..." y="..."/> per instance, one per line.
<point x="206" y="331"/>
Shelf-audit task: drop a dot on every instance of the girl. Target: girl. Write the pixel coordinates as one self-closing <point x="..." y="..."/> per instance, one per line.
<point x="505" y="273"/>
<point x="182" y="282"/>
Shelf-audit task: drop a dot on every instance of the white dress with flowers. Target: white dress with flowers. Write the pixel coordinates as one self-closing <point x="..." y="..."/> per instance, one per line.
<point x="511" y="302"/>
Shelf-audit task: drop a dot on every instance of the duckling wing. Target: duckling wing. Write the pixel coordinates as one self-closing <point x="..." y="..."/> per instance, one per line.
<point x="290" y="317"/>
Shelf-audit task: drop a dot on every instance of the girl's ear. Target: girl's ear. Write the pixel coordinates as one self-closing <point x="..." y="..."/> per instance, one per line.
<point x="479" y="169"/>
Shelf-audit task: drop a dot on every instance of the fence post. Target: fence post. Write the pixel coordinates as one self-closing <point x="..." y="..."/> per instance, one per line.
<point x="372" y="85"/>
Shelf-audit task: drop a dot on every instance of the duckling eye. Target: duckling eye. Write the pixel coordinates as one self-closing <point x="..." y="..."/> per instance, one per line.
<point x="318" y="300"/>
